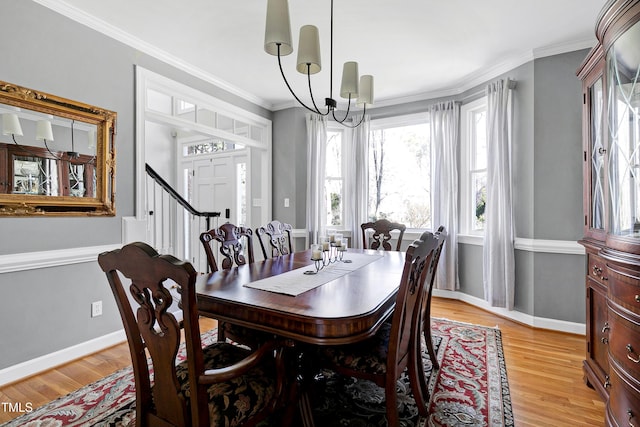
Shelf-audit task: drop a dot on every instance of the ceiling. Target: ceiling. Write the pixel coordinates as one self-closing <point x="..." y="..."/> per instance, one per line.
<point x="416" y="49"/>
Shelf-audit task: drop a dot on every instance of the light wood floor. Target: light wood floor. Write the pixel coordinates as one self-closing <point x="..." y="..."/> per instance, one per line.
<point x="544" y="370"/>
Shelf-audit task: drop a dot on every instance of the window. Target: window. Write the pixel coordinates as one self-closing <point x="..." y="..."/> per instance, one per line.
<point x="334" y="182"/>
<point x="474" y="166"/>
<point x="400" y="170"/>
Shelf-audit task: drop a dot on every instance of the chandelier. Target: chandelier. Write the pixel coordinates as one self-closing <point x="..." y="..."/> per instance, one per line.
<point x="277" y="41"/>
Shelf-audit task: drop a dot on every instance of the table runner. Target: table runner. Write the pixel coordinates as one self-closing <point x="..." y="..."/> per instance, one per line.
<point x="295" y="282"/>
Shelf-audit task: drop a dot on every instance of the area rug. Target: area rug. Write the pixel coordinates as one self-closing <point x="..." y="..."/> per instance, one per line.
<point x="469" y="389"/>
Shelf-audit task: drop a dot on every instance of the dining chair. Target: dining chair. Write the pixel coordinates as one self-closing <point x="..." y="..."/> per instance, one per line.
<point x="381" y="235"/>
<point x="220" y="384"/>
<point x="441" y="236"/>
<point x="385" y="356"/>
<point x="276" y="238"/>
<point x="425" y="318"/>
<point x="234" y="241"/>
<point x="230" y="237"/>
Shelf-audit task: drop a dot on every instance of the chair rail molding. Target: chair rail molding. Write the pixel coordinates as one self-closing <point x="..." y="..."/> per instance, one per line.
<point x="569" y="247"/>
<point x="35" y="260"/>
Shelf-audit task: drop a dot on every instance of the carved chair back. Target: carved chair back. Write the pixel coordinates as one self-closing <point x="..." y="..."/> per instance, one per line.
<point x="275" y="237"/>
<point x="152" y="327"/>
<point x="230" y="237"/>
<point x="201" y="390"/>
<point x="381" y="235"/>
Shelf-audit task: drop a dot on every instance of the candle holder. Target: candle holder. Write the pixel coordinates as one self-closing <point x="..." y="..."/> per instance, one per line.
<point x="317" y="258"/>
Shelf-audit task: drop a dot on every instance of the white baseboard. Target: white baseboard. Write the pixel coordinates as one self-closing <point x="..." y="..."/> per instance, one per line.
<point x="60" y="357"/>
<point x="527" y="319"/>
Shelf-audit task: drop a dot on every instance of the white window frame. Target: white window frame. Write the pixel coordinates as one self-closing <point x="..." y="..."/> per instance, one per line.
<point x="467" y="204"/>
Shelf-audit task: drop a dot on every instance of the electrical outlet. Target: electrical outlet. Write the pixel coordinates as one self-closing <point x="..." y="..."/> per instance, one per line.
<point x="96" y="309"/>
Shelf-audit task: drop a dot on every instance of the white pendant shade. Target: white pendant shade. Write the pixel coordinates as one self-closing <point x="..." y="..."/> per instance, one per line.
<point x="44" y="131"/>
<point x="365" y="93"/>
<point x="11" y="124"/>
<point x="349" y="85"/>
<point x="309" y="50"/>
<point x="278" y="28"/>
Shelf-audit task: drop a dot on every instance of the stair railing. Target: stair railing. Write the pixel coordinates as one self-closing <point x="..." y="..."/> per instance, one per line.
<point x="173" y="224"/>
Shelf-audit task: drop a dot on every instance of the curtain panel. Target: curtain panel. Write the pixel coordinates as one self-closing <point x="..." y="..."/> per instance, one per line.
<point x="444" y="119"/>
<point x="498" y="251"/>
<point x="357" y="179"/>
<point x="316" y="159"/>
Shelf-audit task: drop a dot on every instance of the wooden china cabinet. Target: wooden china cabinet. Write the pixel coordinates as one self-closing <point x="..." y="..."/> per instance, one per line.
<point x="611" y="133"/>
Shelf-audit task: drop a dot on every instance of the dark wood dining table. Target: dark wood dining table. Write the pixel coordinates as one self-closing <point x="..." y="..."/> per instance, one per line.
<point x="345" y="310"/>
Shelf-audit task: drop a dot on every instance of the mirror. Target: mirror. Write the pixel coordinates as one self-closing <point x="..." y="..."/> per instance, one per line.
<point x="57" y="156"/>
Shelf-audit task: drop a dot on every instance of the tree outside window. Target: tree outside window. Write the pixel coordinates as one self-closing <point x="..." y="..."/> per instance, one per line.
<point x="400" y="172"/>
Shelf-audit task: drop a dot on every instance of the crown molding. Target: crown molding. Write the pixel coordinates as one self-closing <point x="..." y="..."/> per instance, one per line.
<point x="71" y="12"/>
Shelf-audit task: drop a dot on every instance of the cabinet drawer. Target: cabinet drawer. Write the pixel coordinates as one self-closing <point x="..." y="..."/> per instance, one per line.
<point x="624" y="401"/>
<point x="624" y="288"/>
<point x="596" y="268"/>
<point x="624" y="341"/>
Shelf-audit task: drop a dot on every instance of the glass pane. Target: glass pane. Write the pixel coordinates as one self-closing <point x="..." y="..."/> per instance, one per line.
<point x="333" y="187"/>
<point x="76" y="180"/>
<point x="159" y="102"/>
<point x="333" y="201"/>
<point x="334" y="155"/>
<point x="256" y="133"/>
<point x="597" y="156"/>
<point x="206" y="117"/>
<point x="400" y="175"/>
<point x="623" y="106"/>
<point x="185" y="110"/>
<point x="35" y="175"/>
<point x="480" y="140"/>
<point x="479" y="182"/>
<point x="241" y="128"/>
<point x="225" y="123"/>
<point x="241" y="193"/>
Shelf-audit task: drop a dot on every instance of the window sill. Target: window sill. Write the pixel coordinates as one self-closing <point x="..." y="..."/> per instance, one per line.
<point x="471" y="239"/>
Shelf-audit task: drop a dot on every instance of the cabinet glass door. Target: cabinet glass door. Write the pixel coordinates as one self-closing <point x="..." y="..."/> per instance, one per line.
<point x="597" y="149"/>
<point x="35" y="175"/>
<point x="623" y="108"/>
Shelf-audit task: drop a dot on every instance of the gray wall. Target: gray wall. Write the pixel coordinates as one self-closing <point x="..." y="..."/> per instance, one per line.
<point x="48" y="309"/>
<point x="45" y="310"/>
<point x="290" y="166"/>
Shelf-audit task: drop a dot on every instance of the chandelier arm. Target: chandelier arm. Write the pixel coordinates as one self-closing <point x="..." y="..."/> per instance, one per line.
<point x="311" y="94"/>
<point x="346" y="114"/>
<point x="343" y="123"/>
<point x="291" y="90"/>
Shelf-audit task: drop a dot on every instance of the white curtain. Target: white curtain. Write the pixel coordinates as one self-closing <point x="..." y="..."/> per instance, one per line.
<point x="498" y="253"/>
<point x="357" y="179"/>
<point x="316" y="158"/>
<point x="444" y="123"/>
